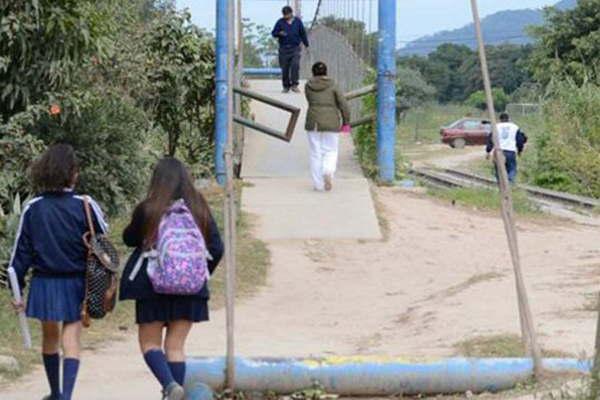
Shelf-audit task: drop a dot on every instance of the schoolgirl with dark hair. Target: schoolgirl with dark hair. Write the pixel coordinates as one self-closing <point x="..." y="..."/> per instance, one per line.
<point x="164" y="320"/>
<point x="49" y="242"/>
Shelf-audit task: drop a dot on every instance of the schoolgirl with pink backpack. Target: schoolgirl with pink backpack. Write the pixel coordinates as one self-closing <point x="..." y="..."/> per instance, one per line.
<point x="177" y="247"/>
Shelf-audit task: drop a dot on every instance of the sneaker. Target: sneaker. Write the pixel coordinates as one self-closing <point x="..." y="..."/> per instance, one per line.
<point x="49" y="397"/>
<point x="328" y="182"/>
<point x="173" y="392"/>
<point x="285" y="90"/>
<point x="295" y="89"/>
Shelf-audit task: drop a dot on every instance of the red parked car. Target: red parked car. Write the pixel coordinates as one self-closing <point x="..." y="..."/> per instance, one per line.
<point x="466" y="131"/>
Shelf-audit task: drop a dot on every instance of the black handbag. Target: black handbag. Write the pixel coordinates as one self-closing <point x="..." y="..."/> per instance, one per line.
<point x="102" y="266"/>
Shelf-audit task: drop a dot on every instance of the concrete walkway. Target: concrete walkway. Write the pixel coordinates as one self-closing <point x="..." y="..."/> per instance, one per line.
<point x="280" y="193"/>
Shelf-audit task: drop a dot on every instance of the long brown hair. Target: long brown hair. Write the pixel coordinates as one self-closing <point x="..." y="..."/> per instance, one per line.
<point x="171" y="181"/>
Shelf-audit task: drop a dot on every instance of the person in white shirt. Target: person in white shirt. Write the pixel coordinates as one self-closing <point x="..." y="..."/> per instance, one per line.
<point x="512" y="142"/>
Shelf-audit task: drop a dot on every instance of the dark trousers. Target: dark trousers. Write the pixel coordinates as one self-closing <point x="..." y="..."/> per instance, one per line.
<point x="289" y="61"/>
<point x="511" y="165"/>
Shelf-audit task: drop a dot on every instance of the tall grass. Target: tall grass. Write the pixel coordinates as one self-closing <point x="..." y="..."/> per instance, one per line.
<point x="567" y="150"/>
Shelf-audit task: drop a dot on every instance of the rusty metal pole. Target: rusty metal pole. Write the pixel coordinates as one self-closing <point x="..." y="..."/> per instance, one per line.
<point x="595" y="386"/>
<point x="526" y="318"/>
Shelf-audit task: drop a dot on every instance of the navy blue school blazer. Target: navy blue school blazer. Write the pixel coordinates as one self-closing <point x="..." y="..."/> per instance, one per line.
<point x="140" y="288"/>
<point x="50" y="235"/>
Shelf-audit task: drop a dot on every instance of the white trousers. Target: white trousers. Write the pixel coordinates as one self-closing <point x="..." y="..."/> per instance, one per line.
<point x="323" y="156"/>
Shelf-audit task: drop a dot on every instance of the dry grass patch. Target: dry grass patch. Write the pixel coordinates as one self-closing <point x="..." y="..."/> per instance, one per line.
<point x="499" y="346"/>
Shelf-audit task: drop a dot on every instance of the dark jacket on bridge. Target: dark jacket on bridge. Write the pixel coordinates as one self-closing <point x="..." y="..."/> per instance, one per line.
<point x="290" y="35"/>
<point x="327" y="107"/>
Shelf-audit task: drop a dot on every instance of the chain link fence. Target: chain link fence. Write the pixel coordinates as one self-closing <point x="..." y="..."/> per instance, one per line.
<point x="345" y="66"/>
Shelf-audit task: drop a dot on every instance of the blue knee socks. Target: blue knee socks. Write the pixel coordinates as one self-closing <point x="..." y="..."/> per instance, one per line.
<point x="178" y="371"/>
<point x="52" y="367"/>
<point x="70" y="369"/>
<point x="157" y="362"/>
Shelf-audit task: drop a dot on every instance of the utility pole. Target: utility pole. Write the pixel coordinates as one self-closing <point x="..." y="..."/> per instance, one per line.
<point x="224" y="162"/>
<point x="229" y="203"/>
<point x="528" y="334"/>
<point x="386" y="91"/>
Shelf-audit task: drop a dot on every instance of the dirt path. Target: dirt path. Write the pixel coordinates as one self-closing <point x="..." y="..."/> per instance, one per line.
<point x="442" y="276"/>
<point x="443" y="156"/>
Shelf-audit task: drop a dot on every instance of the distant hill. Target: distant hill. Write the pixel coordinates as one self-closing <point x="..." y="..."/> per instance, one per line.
<point x="501" y="27"/>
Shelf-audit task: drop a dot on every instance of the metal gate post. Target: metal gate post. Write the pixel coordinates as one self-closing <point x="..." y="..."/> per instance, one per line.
<point x="221" y="105"/>
<point x="386" y="91"/>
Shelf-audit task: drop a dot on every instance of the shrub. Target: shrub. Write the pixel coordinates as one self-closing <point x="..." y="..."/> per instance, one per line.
<point x="567" y="152"/>
<point x="478" y="100"/>
<point x="17" y="149"/>
<point x="411" y="91"/>
<point x="109" y="134"/>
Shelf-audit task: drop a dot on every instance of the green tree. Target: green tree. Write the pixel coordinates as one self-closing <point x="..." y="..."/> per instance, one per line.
<point x="259" y="45"/>
<point x="42" y="45"/>
<point x="507" y="66"/>
<point x="252" y="53"/>
<point x="180" y="75"/>
<point x="412" y="89"/>
<point x="478" y="100"/>
<point x="568" y="44"/>
<point x="441" y="69"/>
<point x="455" y="72"/>
<point x="363" y="42"/>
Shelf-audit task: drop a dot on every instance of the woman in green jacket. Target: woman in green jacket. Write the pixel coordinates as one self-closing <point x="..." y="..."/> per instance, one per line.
<point x="328" y="115"/>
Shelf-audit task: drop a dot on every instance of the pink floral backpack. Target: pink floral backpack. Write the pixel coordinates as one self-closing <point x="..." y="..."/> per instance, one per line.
<point x="178" y="265"/>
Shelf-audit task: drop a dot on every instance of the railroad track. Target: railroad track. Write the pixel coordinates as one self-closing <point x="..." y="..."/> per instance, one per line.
<point x="449" y="178"/>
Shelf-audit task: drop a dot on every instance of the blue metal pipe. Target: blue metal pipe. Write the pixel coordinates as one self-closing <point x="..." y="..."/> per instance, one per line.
<point x="262" y="72"/>
<point x="222" y="66"/>
<point x="386" y="91"/>
<point x="371" y="376"/>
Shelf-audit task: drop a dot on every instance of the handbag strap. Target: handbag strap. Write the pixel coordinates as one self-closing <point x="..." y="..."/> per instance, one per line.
<point x="85" y="316"/>
<point x="88" y="216"/>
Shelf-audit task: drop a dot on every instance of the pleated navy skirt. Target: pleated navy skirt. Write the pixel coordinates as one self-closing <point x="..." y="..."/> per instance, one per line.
<point x="171" y="308"/>
<point x="56" y="298"/>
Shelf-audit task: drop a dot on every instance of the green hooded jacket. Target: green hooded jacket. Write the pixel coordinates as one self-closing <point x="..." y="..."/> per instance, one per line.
<point x="327" y="107"/>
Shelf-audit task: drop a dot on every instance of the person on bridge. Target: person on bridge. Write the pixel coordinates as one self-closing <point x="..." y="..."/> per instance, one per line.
<point x="171" y="192"/>
<point x="290" y="33"/>
<point x="328" y="114"/>
<point x="512" y="143"/>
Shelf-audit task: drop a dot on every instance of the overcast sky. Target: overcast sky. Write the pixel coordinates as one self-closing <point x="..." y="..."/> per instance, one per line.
<point x="416" y="18"/>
